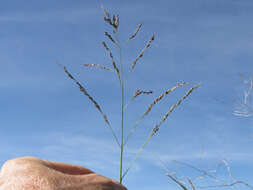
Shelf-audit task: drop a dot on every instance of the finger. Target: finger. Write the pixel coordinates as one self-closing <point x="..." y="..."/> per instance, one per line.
<point x="68" y="168"/>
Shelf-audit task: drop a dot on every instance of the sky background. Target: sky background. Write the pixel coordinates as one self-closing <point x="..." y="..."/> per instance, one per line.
<point x="44" y="114"/>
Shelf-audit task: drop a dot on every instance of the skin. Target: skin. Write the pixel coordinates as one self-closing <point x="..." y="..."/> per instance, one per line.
<point x="31" y="173"/>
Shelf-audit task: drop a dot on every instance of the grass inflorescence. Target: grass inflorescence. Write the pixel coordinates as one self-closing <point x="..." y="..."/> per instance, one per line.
<point x="113" y="21"/>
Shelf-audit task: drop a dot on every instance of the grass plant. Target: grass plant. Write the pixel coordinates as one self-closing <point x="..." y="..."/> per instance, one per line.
<point x="244" y="108"/>
<point x="113" y="21"/>
<point x="208" y="178"/>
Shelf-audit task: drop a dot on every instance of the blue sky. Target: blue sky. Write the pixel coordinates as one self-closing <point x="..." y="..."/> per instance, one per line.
<point x="43" y="113"/>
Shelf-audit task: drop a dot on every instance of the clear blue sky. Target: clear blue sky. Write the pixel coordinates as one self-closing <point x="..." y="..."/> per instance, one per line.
<point x="43" y="114"/>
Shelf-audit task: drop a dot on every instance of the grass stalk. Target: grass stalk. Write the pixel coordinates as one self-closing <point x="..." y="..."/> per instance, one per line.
<point x="122" y="130"/>
<point x="122" y="105"/>
<point x="122" y="114"/>
<point x="114" y="39"/>
<point x="138" y="154"/>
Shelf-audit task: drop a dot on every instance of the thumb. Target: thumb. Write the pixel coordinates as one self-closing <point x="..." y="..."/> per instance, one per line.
<point x="68" y="168"/>
<point x="81" y="178"/>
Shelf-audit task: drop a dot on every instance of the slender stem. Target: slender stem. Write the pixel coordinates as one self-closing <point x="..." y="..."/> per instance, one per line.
<point x="122" y="117"/>
<point x="138" y="154"/>
<point x="133" y="128"/>
<point x="122" y="108"/>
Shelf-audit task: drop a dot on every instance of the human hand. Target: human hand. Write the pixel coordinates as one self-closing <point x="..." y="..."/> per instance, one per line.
<point x="31" y="173"/>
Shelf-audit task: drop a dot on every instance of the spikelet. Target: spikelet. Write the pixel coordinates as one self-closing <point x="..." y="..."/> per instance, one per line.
<point x="83" y="90"/>
<point x="191" y="184"/>
<point x="110" y="37"/>
<point x="114" y="21"/>
<point x="162" y="95"/>
<point x="154" y="131"/>
<point x="156" y="127"/>
<point x="111" y="56"/>
<point x="142" y="52"/>
<point x="149" y="109"/>
<point x="98" y="66"/>
<point x="139" y="92"/>
<point x="117" y="21"/>
<point x="136" y="31"/>
<point x="106" y="12"/>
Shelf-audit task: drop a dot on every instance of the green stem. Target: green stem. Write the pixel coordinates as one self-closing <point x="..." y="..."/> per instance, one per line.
<point x="122" y="109"/>
<point x="138" y="154"/>
<point x="122" y="117"/>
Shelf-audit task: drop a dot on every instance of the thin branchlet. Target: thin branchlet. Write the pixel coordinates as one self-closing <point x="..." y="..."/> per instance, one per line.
<point x="110" y="37"/>
<point x="162" y="96"/>
<point x="155" y="129"/>
<point x="135" y="33"/>
<point x="142" y="52"/>
<point x="114" y="21"/>
<point x="177" y="181"/>
<point x="191" y="184"/>
<point x="159" y="98"/>
<point x="226" y="185"/>
<point x="139" y="92"/>
<point x="98" y="66"/>
<point x="219" y="183"/>
<point x="111" y="56"/>
<point x="136" y="94"/>
<point x="83" y="90"/>
<point x="173" y="107"/>
<point x="107" y="14"/>
<point x="202" y="171"/>
<point x="117" y="21"/>
<point x="244" y="108"/>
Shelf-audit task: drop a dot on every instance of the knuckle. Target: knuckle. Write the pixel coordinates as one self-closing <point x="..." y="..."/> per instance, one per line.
<point x="13" y="165"/>
<point x="8" y="165"/>
<point x="17" y="161"/>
